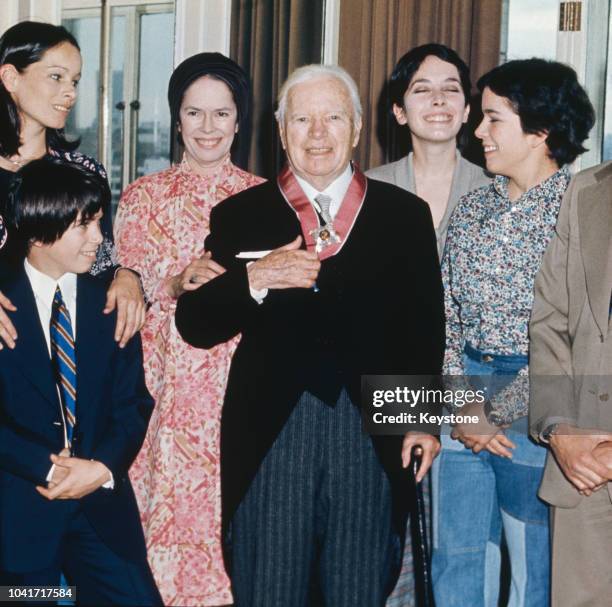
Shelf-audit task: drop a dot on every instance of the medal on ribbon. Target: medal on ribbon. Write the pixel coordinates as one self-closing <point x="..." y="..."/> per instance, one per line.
<point x="325" y="237"/>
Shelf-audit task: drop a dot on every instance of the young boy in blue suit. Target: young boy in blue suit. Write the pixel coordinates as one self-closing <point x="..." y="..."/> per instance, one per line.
<point x="74" y="407"/>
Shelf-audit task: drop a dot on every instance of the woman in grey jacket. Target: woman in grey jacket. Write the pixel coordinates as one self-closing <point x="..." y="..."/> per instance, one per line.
<point x="430" y="94"/>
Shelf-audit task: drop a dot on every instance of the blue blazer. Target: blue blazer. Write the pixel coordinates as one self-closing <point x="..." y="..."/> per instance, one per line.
<point x="113" y="410"/>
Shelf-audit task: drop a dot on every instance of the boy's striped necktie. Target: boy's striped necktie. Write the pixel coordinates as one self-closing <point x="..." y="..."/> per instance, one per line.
<point x="64" y="359"/>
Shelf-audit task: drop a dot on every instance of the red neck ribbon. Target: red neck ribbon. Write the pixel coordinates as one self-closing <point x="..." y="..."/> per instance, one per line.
<point x="345" y="217"/>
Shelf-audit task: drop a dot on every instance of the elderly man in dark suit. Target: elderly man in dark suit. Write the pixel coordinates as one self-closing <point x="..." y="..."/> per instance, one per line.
<point x="329" y="275"/>
<point x="571" y="338"/>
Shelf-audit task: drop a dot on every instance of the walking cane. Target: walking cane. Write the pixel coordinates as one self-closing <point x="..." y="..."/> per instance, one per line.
<point x="420" y="547"/>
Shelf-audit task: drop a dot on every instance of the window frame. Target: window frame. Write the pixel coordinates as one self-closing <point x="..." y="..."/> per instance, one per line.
<point x="132" y="10"/>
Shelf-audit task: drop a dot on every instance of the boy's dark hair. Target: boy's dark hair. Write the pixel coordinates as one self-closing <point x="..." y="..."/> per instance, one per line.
<point x="45" y="198"/>
<point x="22" y="45"/>
<point x="409" y="64"/>
<point x="547" y="97"/>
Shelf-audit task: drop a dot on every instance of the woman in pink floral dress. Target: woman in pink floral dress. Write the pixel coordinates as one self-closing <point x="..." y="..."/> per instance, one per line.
<point x="160" y="229"/>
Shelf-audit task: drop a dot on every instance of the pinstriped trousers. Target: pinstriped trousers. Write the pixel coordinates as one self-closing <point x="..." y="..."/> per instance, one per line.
<point x="315" y="525"/>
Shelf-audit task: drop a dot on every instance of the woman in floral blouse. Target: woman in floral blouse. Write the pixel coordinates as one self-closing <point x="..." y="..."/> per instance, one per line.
<point x="536" y="117"/>
<point x="160" y="229"/>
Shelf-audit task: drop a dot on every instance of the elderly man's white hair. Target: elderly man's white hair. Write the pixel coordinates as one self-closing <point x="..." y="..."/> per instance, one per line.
<point x="314" y="72"/>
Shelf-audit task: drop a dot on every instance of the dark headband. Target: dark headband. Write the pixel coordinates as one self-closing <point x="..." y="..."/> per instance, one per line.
<point x="213" y="64"/>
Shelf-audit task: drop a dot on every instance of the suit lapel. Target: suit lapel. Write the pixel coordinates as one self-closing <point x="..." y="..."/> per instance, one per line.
<point x="31" y="345"/>
<point x="91" y="351"/>
<point x="595" y="225"/>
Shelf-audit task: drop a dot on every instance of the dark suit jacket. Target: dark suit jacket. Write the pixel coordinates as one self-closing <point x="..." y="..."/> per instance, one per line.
<point x="379" y="309"/>
<point x="113" y="409"/>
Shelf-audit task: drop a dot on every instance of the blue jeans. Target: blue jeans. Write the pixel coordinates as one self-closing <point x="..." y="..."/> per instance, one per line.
<point x="475" y="497"/>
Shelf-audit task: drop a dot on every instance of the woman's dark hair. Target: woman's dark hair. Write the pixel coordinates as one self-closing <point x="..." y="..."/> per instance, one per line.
<point x="216" y="66"/>
<point x="45" y="198"/>
<point x="548" y="99"/>
<point x="22" y="45"/>
<point x="409" y="64"/>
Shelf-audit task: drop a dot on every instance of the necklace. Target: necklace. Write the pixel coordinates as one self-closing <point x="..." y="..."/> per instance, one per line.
<point x="20" y="163"/>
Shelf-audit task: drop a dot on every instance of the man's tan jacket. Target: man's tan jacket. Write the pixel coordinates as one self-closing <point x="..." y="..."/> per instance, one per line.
<point x="570" y="330"/>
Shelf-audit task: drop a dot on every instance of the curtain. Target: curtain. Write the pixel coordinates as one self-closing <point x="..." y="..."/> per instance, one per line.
<point x="374" y="34"/>
<point x="269" y="39"/>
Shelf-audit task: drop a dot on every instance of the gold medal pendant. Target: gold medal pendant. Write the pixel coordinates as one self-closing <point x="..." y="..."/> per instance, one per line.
<point x="324" y="236"/>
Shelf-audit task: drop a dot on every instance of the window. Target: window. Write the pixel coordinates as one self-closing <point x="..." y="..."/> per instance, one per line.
<point x="607" y="114"/>
<point x="83" y="120"/>
<point x="529" y="29"/>
<point x="127" y="126"/>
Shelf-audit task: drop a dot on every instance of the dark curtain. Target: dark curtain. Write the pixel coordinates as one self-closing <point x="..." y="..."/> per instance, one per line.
<point x="374" y="34"/>
<point x="269" y="39"/>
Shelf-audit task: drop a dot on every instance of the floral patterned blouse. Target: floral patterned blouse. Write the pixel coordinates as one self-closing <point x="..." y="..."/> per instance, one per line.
<point x="2" y="232"/>
<point x="493" y="252"/>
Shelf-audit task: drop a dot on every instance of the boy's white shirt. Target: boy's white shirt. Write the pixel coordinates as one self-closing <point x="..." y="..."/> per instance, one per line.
<point x="44" y="292"/>
<point x="44" y="288"/>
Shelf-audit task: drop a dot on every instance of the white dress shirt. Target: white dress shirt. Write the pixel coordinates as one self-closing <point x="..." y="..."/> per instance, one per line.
<point x="44" y="288"/>
<point x="336" y="190"/>
<point x="44" y="293"/>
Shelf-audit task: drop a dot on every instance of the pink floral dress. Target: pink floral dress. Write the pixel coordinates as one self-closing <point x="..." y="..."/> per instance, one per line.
<point x="160" y="228"/>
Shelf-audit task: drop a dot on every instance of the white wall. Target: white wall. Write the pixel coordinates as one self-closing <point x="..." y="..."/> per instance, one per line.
<point x="201" y="25"/>
<point x="14" y="11"/>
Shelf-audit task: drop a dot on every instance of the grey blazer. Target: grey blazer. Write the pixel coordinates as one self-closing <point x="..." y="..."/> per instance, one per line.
<point x="467" y="177"/>
<point x="570" y="330"/>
